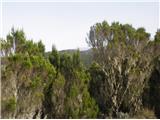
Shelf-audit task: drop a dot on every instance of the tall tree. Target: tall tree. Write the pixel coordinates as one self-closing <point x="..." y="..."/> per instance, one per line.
<point x="119" y="50"/>
<point x="157" y="36"/>
<point x="41" y="47"/>
<point x="54" y="58"/>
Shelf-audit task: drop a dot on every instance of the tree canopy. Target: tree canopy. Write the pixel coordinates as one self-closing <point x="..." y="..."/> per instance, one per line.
<point x="120" y="81"/>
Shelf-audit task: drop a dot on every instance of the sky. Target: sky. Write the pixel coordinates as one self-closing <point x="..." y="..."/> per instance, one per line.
<point x="66" y="24"/>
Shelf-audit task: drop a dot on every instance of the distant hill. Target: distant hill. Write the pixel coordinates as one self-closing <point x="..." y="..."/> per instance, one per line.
<point x="86" y="56"/>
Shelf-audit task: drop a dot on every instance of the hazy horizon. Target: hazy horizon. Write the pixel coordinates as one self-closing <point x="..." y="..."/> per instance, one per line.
<point x="66" y="24"/>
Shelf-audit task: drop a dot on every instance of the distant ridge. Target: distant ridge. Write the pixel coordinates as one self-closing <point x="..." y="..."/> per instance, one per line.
<point x="86" y="56"/>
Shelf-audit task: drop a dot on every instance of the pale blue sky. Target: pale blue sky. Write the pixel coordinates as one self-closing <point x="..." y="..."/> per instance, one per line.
<point x="66" y="24"/>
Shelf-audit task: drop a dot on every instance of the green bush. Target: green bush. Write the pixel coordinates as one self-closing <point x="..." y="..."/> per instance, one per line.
<point x="11" y="104"/>
<point x="35" y="82"/>
<point x="27" y="64"/>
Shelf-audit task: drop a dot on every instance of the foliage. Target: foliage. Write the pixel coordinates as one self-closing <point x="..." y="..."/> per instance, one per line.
<point x="11" y="104"/>
<point x="151" y="95"/>
<point x="16" y="42"/>
<point x="78" y="103"/>
<point x="124" y="69"/>
<point x="157" y="36"/>
<point x="54" y="58"/>
<point x="121" y="82"/>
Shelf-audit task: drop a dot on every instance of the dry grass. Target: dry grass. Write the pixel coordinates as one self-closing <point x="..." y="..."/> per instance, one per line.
<point x="145" y="114"/>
